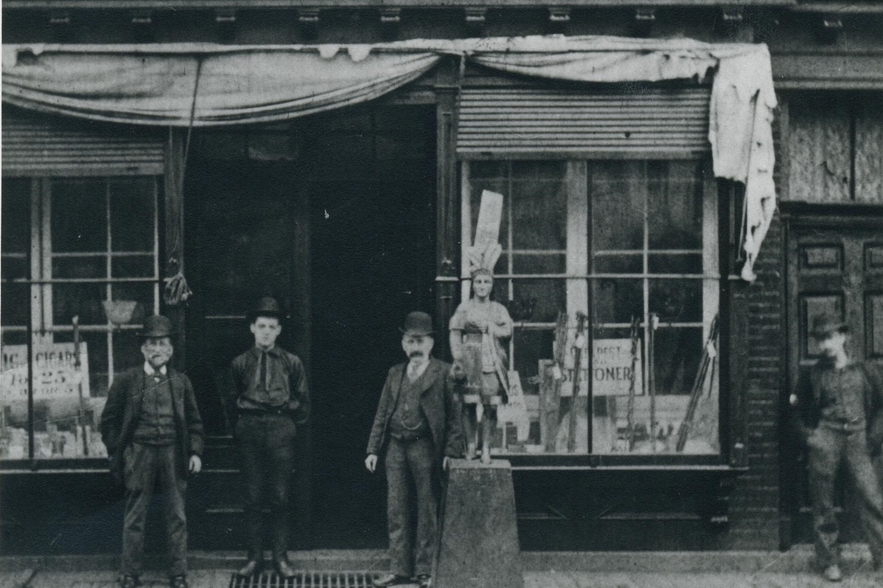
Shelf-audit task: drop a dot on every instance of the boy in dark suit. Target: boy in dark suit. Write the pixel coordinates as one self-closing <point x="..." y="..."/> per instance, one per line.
<point x="269" y="401"/>
<point x="153" y="433"/>
<point x="418" y="427"/>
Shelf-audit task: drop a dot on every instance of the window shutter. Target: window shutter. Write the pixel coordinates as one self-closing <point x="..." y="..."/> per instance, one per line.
<point x="644" y="123"/>
<point x="38" y="145"/>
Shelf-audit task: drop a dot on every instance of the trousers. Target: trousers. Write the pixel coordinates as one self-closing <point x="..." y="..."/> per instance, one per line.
<point x="145" y="466"/>
<point x="829" y="448"/>
<point x="412" y="472"/>
<point x="266" y="445"/>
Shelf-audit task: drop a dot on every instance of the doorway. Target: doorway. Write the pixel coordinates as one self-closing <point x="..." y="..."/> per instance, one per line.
<point x="372" y="260"/>
<point x="835" y="265"/>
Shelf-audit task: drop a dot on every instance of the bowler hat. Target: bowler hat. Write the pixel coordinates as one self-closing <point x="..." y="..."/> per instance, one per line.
<point x="825" y="324"/>
<point x="417" y="324"/>
<point x="266" y="306"/>
<point x="157" y="326"/>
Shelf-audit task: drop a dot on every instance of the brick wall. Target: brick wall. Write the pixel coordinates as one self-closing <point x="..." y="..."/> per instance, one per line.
<point x="754" y="502"/>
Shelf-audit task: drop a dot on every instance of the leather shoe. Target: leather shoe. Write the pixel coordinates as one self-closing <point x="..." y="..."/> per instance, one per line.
<point x="833" y="573"/>
<point x="425" y="580"/>
<point x="128" y="581"/>
<point x="390" y="580"/>
<point x="251" y="568"/>
<point x="178" y="582"/>
<point x="284" y="569"/>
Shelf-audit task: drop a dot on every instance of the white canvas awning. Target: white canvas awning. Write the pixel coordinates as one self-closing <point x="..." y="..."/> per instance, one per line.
<point x="204" y="85"/>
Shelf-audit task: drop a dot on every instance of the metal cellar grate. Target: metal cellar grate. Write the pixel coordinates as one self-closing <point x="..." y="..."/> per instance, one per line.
<point x="306" y="579"/>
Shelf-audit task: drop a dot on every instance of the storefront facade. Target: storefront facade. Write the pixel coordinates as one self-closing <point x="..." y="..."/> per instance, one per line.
<point x="614" y="206"/>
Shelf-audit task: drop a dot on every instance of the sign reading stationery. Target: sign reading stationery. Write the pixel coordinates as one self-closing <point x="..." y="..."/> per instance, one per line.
<point x="612" y="365"/>
<point x="55" y="372"/>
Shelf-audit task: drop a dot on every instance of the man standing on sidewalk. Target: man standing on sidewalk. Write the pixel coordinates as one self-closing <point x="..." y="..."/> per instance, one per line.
<point x="838" y="410"/>
<point x="153" y="434"/>
<point x="269" y="401"/>
<point x="417" y="426"/>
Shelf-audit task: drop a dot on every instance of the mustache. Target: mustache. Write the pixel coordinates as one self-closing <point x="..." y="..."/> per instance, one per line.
<point x="415" y="354"/>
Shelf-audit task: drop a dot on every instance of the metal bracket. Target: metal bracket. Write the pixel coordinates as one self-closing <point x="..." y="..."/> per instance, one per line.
<point x="142" y="17"/>
<point x="830" y="28"/>
<point x="308" y="18"/>
<point x="59" y="17"/>
<point x="645" y="17"/>
<point x="476" y="17"/>
<point x="225" y="15"/>
<point x="559" y="14"/>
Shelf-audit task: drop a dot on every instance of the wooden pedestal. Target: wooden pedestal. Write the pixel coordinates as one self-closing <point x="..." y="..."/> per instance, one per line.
<point x="478" y="537"/>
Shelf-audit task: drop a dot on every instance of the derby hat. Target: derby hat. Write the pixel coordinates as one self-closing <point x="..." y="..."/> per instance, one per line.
<point x="266" y="306"/>
<point x="156" y="327"/>
<point x="825" y="324"/>
<point x="417" y="324"/>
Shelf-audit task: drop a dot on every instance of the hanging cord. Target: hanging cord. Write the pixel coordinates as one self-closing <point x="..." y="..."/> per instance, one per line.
<point x="636" y="322"/>
<point x="176" y="290"/>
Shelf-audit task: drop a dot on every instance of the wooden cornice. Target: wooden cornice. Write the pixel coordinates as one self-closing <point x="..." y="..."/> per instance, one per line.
<point x="359" y="4"/>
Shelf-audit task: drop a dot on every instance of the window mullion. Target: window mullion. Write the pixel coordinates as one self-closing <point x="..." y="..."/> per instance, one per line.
<point x="46" y="258"/>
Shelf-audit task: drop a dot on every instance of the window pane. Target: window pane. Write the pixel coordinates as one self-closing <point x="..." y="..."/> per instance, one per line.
<point x="618" y="192"/>
<point x="617" y="300"/>
<point x="83" y="300"/>
<point x="79" y="267"/>
<point x="619" y="264"/>
<point x="16" y="305"/>
<point x="675" y="205"/>
<point x="16" y="215"/>
<point x="675" y="264"/>
<point x="141" y="293"/>
<point x="539" y="264"/>
<point x="676" y="301"/>
<point x="539" y="205"/>
<point x="545" y="297"/>
<point x="132" y="266"/>
<point x="79" y="216"/>
<point x="67" y="412"/>
<point x="132" y="214"/>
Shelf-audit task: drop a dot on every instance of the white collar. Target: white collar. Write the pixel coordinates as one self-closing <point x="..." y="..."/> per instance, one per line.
<point x="418" y="370"/>
<point x="148" y="369"/>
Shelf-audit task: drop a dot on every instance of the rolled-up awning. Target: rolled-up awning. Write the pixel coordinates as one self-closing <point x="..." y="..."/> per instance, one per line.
<point x="201" y="85"/>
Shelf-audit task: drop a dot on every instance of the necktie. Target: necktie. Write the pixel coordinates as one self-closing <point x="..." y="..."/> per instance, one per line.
<point x="264" y="370"/>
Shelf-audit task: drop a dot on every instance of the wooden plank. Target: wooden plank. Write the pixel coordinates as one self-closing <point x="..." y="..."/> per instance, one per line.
<point x="869" y="156"/>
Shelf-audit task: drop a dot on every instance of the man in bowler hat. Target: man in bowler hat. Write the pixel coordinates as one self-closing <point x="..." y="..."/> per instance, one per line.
<point x="838" y="413"/>
<point x="153" y="433"/>
<point x="269" y="401"/>
<point x="417" y="429"/>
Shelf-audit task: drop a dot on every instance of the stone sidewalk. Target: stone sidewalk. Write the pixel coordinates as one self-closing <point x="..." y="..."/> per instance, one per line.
<point x="791" y="569"/>
<point x="221" y="579"/>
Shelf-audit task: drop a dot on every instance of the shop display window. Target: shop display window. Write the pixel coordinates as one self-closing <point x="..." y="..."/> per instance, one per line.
<point x="80" y="273"/>
<point x="633" y="247"/>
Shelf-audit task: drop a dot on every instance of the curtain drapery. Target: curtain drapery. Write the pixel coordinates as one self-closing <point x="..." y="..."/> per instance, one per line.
<point x="203" y="85"/>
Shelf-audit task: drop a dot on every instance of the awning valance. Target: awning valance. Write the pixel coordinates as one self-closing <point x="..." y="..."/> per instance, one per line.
<point x="209" y="85"/>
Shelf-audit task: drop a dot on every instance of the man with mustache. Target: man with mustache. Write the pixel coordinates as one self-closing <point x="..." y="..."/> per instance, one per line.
<point x="417" y="428"/>
<point x="153" y="433"/>
<point x="838" y="413"/>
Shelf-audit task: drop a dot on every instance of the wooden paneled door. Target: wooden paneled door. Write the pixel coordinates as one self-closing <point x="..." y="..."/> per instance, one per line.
<point x="835" y="265"/>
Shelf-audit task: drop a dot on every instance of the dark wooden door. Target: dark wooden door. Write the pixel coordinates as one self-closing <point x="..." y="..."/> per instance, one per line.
<point x="835" y="265"/>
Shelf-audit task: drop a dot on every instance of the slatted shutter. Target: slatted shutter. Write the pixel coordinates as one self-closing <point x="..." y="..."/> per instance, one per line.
<point x="523" y="122"/>
<point x="38" y="145"/>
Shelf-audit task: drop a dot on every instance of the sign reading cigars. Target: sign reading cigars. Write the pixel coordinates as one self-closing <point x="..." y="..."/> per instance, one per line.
<point x="55" y="372"/>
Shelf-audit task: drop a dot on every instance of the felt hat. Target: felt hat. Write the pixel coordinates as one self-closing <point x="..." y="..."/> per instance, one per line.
<point x="266" y="306"/>
<point x="825" y="324"/>
<point x="417" y="324"/>
<point x="156" y="327"/>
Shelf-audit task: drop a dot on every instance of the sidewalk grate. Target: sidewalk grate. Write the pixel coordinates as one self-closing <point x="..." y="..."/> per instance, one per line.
<point x="306" y="579"/>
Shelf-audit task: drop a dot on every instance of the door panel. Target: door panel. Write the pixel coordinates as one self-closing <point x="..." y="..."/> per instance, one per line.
<point x="835" y="268"/>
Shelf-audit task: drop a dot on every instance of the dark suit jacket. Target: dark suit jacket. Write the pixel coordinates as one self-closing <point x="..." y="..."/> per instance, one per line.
<point x="806" y="408"/>
<point x="437" y="401"/>
<point x="120" y="418"/>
